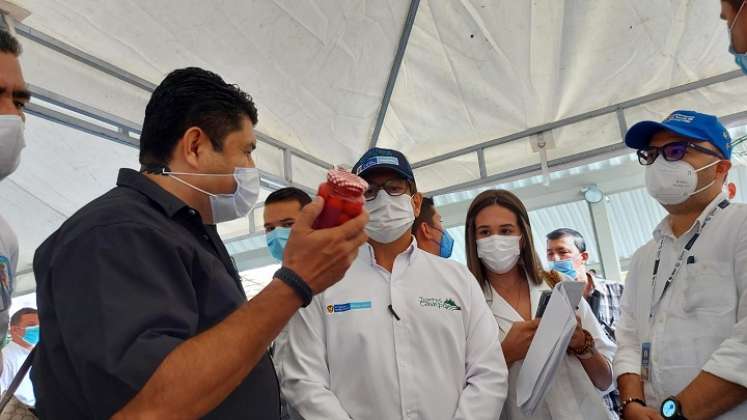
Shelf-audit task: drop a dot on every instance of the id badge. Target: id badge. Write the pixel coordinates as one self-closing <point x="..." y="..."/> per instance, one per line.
<point x="645" y="360"/>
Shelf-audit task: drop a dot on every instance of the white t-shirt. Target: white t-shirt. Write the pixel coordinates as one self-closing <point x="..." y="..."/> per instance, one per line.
<point x="13" y="357"/>
<point x="8" y="265"/>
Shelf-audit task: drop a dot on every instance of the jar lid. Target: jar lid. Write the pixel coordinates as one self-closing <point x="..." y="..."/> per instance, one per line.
<point x="347" y="181"/>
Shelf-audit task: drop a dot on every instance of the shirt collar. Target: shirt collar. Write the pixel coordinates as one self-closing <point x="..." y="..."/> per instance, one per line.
<point x="502" y="309"/>
<point x="170" y="204"/>
<point x="664" y="228"/>
<point x="409" y="253"/>
<point x="598" y="284"/>
<point x="19" y="347"/>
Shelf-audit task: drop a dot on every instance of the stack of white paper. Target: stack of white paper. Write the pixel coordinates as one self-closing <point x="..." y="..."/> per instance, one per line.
<point x="548" y="346"/>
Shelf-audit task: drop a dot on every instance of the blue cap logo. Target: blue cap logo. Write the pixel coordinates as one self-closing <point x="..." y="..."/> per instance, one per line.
<point x="687" y="119"/>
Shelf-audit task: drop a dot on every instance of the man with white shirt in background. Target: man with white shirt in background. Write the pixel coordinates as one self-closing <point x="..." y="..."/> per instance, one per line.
<point x="24" y="335"/>
<point x="282" y="208"/>
<point x="406" y="334"/>
<point x="682" y="336"/>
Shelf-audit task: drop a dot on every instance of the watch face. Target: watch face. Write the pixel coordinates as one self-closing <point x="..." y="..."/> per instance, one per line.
<point x="669" y="408"/>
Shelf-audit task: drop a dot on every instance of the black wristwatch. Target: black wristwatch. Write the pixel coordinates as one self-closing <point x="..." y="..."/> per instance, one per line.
<point x="671" y="409"/>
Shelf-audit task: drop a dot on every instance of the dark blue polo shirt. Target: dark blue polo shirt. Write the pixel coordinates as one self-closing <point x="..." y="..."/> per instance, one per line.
<point x="123" y="282"/>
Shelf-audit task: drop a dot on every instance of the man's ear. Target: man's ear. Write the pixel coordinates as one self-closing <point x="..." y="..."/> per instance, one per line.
<point x="417" y="202"/>
<point x="429" y="232"/>
<point x="722" y="169"/>
<point x="585" y="257"/>
<point x="192" y="147"/>
<point x="421" y="230"/>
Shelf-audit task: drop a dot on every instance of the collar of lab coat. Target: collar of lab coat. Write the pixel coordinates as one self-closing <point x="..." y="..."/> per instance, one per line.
<point x="370" y="257"/>
<point x="664" y="228"/>
<point x="503" y="310"/>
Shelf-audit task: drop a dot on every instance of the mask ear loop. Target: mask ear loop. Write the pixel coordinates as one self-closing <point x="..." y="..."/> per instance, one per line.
<point x="165" y="171"/>
<point x="710" y="184"/>
<point x="734" y="22"/>
<point x="190" y="185"/>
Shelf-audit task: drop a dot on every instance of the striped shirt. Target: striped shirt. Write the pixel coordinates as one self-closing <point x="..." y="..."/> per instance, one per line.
<point x="605" y="303"/>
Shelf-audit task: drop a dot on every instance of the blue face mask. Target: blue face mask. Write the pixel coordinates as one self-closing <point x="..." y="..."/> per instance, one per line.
<point x="276" y="241"/>
<point x="739" y="58"/>
<point x="564" y="267"/>
<point x="447" y="244"/>
<point x="31" y="335"/>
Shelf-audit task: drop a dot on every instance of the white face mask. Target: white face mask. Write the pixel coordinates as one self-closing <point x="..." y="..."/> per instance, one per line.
<point x="389" y="217"/>
<point x="500" y="253"/>
<point x="11" y="144"/>
<point x="673" y="183"/>
<point x="227" y="207"/>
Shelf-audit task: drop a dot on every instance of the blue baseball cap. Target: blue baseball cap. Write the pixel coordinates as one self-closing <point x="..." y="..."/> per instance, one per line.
<point x="690" y="124"/>
<point x="378" y="158"/>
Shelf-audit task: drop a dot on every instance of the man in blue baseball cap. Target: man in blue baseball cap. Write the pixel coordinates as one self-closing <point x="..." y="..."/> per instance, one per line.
<point x="407" y="334"/>
<point x="682" y="337"/>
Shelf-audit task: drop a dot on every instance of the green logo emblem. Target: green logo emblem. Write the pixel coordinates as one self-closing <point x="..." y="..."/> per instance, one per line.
<point x="447" y="304"/>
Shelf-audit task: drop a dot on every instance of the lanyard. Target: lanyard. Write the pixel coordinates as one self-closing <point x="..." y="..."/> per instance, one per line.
<point x="677" y="265"/>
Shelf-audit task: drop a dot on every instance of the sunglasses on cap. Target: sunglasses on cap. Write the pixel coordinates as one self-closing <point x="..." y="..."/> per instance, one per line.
<point x="672" y="152"/>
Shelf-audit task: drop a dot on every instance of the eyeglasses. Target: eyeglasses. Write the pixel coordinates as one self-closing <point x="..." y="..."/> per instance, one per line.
<point x="672" y="152"/>
<point x="394" y="187"/>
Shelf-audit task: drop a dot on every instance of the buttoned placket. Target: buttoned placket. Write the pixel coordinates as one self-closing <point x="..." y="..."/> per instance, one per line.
<point x="670" y="249"/>
<point x="403" y="348"/>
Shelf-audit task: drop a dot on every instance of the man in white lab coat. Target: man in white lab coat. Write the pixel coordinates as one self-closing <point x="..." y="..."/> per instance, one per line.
<point x="682" y="337"/>
<point x="405" y="334"/>
<point x="13" y="98"/>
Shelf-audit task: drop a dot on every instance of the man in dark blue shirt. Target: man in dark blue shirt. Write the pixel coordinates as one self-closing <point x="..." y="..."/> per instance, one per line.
<point x="142" y="311"/>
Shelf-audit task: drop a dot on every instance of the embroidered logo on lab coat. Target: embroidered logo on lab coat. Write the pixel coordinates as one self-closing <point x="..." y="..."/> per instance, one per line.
<point x="447" y="304"/>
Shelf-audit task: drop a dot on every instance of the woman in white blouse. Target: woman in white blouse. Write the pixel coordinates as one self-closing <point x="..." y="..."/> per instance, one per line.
<point x="501" y="255"/>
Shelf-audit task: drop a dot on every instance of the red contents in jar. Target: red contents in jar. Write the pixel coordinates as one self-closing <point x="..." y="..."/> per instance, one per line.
<point x="343" y="198"/>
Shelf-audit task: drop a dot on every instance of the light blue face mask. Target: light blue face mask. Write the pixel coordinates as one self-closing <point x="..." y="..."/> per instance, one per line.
<point x="564" y="267"/>
<point x="739" y="58"/>
<point x="276" y="241"/>
<point x="31" y="335"/>
<point x="447" y="244"/>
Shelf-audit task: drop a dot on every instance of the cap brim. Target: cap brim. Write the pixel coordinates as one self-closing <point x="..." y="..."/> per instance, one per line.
<point x="639" y="135"/>
<point x="386" y="166"/>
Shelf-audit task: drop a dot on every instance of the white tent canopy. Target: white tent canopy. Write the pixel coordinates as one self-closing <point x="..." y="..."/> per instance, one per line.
<point x="469" y="90"/>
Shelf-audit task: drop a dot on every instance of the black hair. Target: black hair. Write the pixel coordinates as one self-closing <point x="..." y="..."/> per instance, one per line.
<point x="427" y="211"/>
<point x="191" y="97"/>
<point x="289" y="194"/>
<point x="578" y="239"/>
<point x="9" y="44"/>
<point x="736" y="4"/>
<point x="16" y="318"/>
